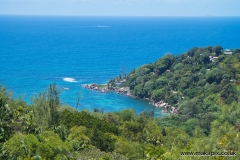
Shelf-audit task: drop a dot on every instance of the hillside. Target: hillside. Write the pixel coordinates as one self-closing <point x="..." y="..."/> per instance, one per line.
<point x="189" y="78"/>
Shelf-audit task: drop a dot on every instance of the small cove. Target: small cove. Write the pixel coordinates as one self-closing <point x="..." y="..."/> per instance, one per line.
<point x="36" y="51"/>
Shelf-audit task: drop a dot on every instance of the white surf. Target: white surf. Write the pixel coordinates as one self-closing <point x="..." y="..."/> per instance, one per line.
<point x="67" y="79"/>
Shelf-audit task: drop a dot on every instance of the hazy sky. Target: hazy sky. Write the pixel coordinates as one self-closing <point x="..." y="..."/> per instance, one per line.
<point x="122" y="7"/>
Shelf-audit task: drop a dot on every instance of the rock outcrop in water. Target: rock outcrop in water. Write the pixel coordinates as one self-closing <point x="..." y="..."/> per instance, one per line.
<point x="105" y="89"/>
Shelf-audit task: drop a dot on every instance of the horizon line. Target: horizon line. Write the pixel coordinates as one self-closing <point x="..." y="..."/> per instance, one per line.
<point x="57" y="15"/>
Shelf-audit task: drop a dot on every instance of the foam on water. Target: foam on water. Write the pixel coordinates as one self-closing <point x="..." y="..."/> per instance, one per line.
<point x="67" y="79"/>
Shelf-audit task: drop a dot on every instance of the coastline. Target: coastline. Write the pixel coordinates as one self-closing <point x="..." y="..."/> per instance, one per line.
<point x="104" y="88"/>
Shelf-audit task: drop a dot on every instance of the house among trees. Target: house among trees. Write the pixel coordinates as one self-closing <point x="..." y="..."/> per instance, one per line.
<point x="227" y="51"/>
<point x="212" y="59"/>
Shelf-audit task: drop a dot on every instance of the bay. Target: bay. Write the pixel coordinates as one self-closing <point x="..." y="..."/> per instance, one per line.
<point x="36" y="51"/>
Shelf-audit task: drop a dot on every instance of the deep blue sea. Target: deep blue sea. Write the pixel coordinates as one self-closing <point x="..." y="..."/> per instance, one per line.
<point x="38" y="50"/>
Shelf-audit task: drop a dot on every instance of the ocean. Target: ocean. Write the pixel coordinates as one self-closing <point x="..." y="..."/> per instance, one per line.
<point x="36" y="51"/>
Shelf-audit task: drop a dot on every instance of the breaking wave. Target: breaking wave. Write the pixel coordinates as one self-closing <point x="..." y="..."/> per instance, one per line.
<point x="69" y="79"/>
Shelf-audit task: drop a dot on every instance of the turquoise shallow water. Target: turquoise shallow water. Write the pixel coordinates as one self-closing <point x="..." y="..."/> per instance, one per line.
<point x="37" y="50"/>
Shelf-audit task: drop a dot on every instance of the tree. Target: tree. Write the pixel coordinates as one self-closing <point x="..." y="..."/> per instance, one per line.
<point x="192" y="51"/>
<point x="230" y="142"/>
<point x="139" y="91"/>
<point x="21" y="146"/>
<point x="190" y="107"/>
<point x="7" y="116"/>
<point x="190" y="126"/>
<point x="148" y="87"/>
<point x="54" y="103"/>
<point x="217" y="50"/>
<point x="62" y="131"/>
<point x="229" y="93"/>
<point x="127" y="115"/>
<point x="159" y="94"/>
<point x="52" y="147"/>
<point x="29" y="124"/>
<point x="41" y="110"/>
<point x="155" y="152"/>
<point x="46" y="105"/>
<point x="165" y="63"/>
<point x="103" y="141"/>
<point x="78" y="137"/>
<point x="215" y="75"/>
<point x="79" y="95"/>
<point x="205" y="122"/>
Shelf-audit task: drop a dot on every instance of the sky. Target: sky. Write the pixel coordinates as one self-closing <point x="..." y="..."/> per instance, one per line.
<point x="121" y="7"/>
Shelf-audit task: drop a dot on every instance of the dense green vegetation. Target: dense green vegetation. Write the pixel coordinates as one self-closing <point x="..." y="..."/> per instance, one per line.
<point x="206" y="94"/>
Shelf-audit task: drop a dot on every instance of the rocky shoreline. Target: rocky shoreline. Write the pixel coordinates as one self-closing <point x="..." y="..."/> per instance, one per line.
<point x="166" y="108"/>
<point x="104" y="89"/>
